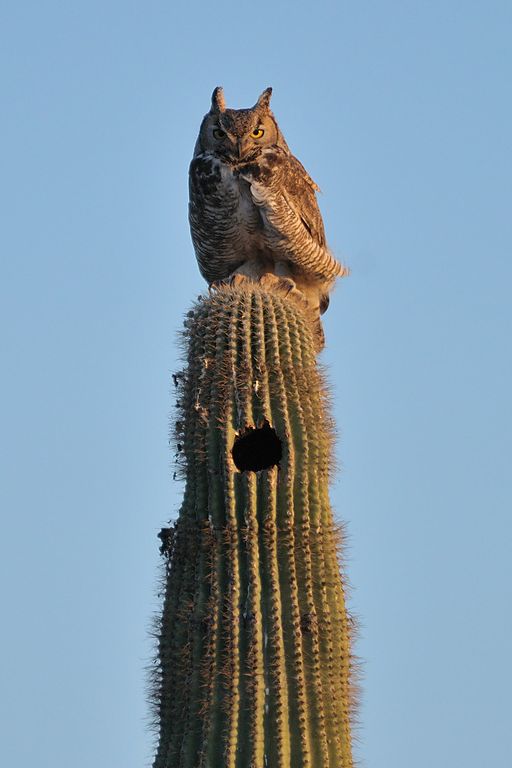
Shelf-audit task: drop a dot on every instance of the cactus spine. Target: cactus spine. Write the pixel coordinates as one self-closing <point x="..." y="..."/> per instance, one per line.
<point x="254" y="654"/>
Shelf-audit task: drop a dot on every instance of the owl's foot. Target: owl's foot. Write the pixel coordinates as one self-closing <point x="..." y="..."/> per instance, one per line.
<point x="278" y="282"/>
<point x="236" y="280"/>
<point x="232" y="280"/>
<point x="287" y="286"/>
<point x="239" y="279"/>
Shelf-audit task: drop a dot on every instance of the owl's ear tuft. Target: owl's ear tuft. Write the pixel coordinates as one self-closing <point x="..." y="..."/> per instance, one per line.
<point x="218" y="102"/>
<point x="264" y="99"/>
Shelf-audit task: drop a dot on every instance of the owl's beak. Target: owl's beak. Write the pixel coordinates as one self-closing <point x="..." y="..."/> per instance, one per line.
<point x="241" y="148"/>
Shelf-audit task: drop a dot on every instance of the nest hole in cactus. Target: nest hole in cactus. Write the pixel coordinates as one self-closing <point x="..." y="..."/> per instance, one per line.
<point x="257" y="448"/>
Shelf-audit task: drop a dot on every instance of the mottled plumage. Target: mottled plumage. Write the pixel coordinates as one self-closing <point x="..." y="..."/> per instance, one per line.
<point x="253" y="207"/>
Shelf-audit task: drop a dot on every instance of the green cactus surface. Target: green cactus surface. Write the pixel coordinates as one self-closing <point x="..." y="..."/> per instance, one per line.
<point x="254" y="665"/>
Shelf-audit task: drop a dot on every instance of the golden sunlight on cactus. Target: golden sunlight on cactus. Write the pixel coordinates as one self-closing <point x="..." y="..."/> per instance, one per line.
<point x="254" y="661"/>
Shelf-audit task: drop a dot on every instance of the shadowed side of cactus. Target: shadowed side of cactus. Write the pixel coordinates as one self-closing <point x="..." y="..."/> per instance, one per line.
<point x="254" y="661"/>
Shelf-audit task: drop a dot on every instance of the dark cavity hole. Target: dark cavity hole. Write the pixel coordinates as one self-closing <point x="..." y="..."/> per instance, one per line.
<point x="257" y="448"/>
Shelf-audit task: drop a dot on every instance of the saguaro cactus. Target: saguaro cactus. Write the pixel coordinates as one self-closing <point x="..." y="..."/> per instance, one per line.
<point x="254" y="661"/>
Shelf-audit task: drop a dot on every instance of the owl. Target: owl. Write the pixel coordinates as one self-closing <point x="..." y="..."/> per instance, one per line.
<point x="253" y="209"/>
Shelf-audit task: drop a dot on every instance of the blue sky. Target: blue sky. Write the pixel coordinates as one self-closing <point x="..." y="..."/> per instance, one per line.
<point x="401" y="111"/>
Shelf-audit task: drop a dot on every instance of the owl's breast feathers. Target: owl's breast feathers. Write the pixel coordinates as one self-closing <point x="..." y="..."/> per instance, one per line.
<point x="267" y="205"/>
<point x="225" y="224"/>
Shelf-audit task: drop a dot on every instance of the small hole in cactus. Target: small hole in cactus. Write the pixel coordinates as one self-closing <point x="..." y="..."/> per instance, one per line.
<point x="257" y="448"/>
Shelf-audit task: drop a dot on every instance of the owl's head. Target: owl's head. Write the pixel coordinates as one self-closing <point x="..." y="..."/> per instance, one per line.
<point x="239" y="135"/>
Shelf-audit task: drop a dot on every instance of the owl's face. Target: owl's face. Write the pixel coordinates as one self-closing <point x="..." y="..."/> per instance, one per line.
<point x="238" y="135"/>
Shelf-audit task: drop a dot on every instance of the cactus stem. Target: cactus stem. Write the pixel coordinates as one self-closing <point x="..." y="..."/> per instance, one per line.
<point x="254" y="644"/>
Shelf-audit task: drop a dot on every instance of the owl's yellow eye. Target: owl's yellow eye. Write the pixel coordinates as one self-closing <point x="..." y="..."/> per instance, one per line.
<point x="257" y="133"/>
<point x="219" y="133"/>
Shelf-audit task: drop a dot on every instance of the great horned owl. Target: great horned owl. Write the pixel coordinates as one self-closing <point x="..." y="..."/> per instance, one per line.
<point x="253" y="207"/>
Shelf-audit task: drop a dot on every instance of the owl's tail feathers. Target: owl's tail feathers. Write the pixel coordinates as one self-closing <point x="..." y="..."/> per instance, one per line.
<point x="345" y="271"/>
<point x="335" y="267"/>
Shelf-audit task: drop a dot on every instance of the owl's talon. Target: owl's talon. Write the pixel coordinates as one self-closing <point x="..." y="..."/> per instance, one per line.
<point x="238" y="279"/>
<point x="270" y="280"/>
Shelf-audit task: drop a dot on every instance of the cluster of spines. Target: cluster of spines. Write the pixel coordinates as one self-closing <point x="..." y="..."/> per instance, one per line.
<point x="254" y="659"/>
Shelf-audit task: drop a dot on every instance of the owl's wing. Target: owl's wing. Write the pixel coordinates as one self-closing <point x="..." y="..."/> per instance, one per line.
<point x="293" y="227"/>
<point x="300" y="190"/>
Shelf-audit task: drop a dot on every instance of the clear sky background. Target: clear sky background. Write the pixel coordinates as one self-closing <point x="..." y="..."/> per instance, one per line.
<point x="402" y="112"/>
